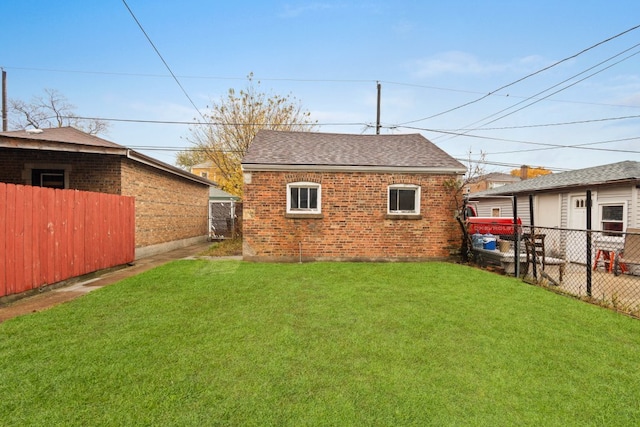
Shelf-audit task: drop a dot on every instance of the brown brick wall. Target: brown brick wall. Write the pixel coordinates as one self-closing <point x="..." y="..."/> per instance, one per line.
<point x="354" y="223"/>
<point x="167" y="208"/>
<point x="88" y="172"/>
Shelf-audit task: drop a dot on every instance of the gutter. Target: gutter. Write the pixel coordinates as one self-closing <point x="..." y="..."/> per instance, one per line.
<point x="59" y="146"/>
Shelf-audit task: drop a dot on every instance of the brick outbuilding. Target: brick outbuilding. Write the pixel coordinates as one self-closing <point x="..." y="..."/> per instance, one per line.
<point x="322" y="196"/>
<point x="171" y="204"/>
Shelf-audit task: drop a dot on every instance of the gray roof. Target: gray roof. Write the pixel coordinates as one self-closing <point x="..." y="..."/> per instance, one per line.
<point x="72" y="140"/>
<point x="67" y="134"/>
<point x="218" y="194"/>
<point x="312" y="150"/>
<point x="607" y="174"/>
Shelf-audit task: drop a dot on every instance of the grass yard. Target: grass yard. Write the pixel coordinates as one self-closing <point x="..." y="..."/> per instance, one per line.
<point x="198" y="342"/>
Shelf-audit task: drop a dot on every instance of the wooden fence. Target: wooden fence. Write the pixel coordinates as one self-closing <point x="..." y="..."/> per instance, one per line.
<point x="49" y="235"/>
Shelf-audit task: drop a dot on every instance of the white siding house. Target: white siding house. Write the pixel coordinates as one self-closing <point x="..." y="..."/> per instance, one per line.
<point x="559" y="200"/>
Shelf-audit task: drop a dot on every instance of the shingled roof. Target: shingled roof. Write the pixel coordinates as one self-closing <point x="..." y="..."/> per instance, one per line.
<point x="281" y="150"/>
<point x="626" y="171"/>
<point x="70" y="139"/>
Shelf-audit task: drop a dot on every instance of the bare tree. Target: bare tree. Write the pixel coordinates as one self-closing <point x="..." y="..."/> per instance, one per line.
<point x="52" y="109"/>
<point x="458" y="189"/>
<point x="233" y="123"/>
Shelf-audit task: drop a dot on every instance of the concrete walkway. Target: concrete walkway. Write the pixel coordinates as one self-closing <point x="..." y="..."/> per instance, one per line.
<point x="75" y="288"/>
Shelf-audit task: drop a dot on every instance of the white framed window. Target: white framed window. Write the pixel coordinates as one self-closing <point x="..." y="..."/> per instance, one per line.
<point x="304" y="198"/>
<point x="612" y="217"/>
<point x="496" y="212"/>
<point x="403" y="199"/>
<point x="46" y="175"/>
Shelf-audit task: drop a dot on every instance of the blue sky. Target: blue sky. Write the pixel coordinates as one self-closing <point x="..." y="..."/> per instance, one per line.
<point x="430" y="57"/>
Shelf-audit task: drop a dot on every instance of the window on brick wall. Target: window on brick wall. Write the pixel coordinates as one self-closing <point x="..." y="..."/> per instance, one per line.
<point x="51" y="178"/>
<point x="52" y="175"/>
<point x="303" y="197"/>
<point x="403" y="199"/>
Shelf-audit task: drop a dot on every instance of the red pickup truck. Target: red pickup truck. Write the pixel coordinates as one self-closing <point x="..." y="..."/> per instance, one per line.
<point x="498" y="226"/>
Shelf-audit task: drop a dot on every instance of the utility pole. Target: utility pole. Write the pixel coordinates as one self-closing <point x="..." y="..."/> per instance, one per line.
<point x="378" y="115"/>
<point x="4" y="100"/>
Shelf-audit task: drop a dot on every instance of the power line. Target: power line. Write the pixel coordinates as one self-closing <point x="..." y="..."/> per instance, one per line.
<point x="536" y="100"/>
<point x="447" y="132"/>
<point x="614" y="150"/>
<point x="544" y="144"/>
<point x="576" y="122"/>
<point x="510" y="165"/>
<point x="455" y="132"/>
<point x="535" y="96"/>
<point x="525" y="77"/>
<point x="194" y="123"/>
<point x="163" y="61"/>
<point x="308" y="80"/>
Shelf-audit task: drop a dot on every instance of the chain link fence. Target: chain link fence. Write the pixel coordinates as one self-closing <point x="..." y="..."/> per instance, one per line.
<point x="225" y="220"/>
<point x="597" y="266"/>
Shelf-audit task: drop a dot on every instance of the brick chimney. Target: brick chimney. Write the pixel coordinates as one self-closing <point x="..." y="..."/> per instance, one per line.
<point x="524" y="172"/>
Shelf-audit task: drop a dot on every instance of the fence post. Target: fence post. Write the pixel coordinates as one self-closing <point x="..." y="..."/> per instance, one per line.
<point x="516" y="236"/>
<point x="532" y="232"/>
<point x="589" y="237"/>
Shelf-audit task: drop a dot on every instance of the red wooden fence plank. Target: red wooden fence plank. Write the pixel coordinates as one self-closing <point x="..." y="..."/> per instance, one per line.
<point x="65" y="262"/>
<point x="103" y="229"/>
<point x="36" y="226"/>
<point x="56" y="234"/>
<point x="87" y="234"/>
<point x="28" y="238"/>
<point x="98" y="238"/>
<point x="71" y="200"/>
<point x="19" y="240"/>
<point x="11" y="239"/>
<point x="78" y="233"/>
<point x="50" y="237"/>
<point x="112" y="230"/>
<point x="131" y="221"/>
<point x="109" y="230"/>
<point x="3" y="239"/>
<point x="94" y="237"/>
<point x="122" y="231"/>
<point x="121" y="256"/>
<point x="43" y="232"/>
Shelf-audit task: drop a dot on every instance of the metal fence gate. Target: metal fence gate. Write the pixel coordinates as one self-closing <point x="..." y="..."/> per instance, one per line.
<point x="223" y="221"/>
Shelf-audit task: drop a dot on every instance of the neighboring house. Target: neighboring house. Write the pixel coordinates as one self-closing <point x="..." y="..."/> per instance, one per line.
<point x="206" y="170"/>
<point x="491" y="180"/>
<point x="321" y="196"/>
<point x="559" y="199"/>
<point x="170" y="203"/>
<point x="218" y="195"/>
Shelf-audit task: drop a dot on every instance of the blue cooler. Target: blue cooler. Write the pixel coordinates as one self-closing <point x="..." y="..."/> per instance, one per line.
<point x="489" y="242"/>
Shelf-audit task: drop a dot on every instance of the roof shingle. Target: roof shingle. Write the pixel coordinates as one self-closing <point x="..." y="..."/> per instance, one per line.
<point x="615" y="172"/>
<point x="331" y="149"/>
<point x="68" y="134"/>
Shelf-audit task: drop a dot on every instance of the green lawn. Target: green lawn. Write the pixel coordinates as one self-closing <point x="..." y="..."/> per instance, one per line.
<point x="203" y="343"/>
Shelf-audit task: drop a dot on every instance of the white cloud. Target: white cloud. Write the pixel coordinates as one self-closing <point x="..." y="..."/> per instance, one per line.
<point x="462" y="63"/>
